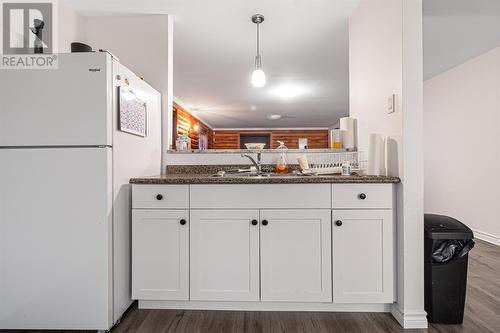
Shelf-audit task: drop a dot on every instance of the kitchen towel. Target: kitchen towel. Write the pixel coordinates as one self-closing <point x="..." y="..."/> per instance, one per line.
<point x="375" y="155"/>
<point x="347" y="126"/>
<point x="303" y="163"/>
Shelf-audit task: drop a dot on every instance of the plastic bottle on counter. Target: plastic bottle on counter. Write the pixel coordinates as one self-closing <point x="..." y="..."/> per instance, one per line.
<point x="336" y="138"/>
<point x="346" y="168"/>
<point x="281" y="165"/>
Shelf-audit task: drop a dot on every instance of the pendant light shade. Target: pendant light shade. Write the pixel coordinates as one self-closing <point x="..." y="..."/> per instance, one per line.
<point x="258" y="75"/>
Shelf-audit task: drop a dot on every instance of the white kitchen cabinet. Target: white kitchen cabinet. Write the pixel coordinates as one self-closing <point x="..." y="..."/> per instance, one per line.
<point x="224" y="255"/>
<point x="160" y="254"/>
<point x="296" y="255"/>
<point x="264" y="246"/>
<point x="363" y="258"/>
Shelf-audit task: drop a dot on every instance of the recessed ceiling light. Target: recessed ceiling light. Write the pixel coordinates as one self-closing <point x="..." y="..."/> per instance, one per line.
<point x="253" y="107"/>
<point x="274" y="116"/>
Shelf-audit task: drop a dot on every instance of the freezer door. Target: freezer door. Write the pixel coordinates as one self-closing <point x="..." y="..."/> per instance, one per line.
<point x="55" y="238"/>
<point x="67" y="106"/>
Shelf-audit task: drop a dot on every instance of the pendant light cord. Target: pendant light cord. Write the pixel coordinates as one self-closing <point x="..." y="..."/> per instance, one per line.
<point x="258" y="58"/>
<point x="258" y="39"/>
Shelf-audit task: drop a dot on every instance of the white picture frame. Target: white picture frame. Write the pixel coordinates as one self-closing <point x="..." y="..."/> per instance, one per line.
<point x="132" y="113"/>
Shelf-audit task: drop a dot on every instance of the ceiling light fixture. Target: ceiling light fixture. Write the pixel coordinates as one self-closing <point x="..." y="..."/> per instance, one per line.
<point x="258" y="75"/>
<point x="290" y="91"/>
<point x="274" y="117"/>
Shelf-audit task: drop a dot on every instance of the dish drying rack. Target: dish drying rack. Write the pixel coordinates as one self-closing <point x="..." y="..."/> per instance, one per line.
<point x="331" y="163"/>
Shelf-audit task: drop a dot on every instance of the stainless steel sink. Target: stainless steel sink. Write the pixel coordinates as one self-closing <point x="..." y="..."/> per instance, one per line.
<point x="248" y="175"/>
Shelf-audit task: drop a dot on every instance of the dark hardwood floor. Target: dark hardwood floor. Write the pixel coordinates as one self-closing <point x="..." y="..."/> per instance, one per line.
<point x="482" y="312"/>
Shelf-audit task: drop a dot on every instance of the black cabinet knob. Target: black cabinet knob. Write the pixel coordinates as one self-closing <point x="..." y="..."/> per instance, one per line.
<point x="182" y="222"/>
<point x="265" y="222"/>
<point x="255" y="222"/>
<point x="338" y="223"/>
<point x="159" y="197"/>
<point x="362" y="196"/>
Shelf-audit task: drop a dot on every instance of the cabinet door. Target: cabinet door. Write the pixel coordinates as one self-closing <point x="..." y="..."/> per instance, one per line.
<point x="224" y="255"/>
<point x="160" y="257"/>
<point x="363" y="257"/>
<point x="296" y="255"/>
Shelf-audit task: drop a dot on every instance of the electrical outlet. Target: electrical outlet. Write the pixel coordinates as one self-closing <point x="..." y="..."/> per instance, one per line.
<point x="391" y="104"/>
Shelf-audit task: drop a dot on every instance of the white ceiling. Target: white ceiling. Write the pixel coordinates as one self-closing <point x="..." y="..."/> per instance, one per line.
<point x="304" y="48"/>
<point x="458" y="30"/>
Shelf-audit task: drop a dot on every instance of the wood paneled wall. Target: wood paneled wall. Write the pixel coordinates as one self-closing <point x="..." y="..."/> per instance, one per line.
<point x="316" y="139"/>
<point x="184" y="122"/>
<point x="226" y="140"/>
<point x="231" y="139"/>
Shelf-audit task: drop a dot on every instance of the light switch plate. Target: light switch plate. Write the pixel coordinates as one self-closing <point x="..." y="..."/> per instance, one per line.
<point x="391" y="104"/>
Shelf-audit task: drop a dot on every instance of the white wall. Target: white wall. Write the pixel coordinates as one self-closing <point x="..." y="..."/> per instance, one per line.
<point x="375" y="70"/>
<point x="462" y="144"/>
<point x="386" y="58"/>
<point x="143" y="43"/>
<point x="410" y="305"/>
<point x="71" y="27"/>
<point x="235" y="158"/>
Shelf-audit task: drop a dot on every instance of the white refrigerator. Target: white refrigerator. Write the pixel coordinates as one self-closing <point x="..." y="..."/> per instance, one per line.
<point x="68" y="147"/>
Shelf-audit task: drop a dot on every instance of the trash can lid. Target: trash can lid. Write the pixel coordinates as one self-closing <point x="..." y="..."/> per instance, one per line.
<point x="445" y="227"/>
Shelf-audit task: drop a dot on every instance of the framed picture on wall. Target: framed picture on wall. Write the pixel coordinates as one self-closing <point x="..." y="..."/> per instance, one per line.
<point x="132" y="113"/>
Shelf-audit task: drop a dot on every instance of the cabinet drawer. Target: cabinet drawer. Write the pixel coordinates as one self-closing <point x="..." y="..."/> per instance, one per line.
<point x="160" y="196"/>
<point x="362" y="196"/>
<point x="260" y="196"/>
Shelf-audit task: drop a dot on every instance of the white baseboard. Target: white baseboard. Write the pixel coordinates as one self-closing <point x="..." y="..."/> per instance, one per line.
<point x="409" y="319"/>
<point x="263" y="306"/>
<point x="487" y="237"/>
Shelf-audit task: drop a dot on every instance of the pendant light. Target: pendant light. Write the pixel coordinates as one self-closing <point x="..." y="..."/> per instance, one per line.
<point x="258" y="75"/>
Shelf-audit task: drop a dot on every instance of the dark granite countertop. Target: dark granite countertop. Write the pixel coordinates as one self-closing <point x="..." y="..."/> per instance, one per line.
<point x="197" y="178"/>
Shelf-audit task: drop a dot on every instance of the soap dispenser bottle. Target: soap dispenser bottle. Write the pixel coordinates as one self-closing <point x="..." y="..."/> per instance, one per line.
<point x="281" y="165"/>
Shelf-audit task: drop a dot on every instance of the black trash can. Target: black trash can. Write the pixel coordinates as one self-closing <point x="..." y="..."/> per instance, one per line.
<point x="447" y="244"/>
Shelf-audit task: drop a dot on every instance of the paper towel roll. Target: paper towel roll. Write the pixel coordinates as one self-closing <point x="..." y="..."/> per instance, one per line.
<point x="384" y="153"/>
<point x="375" y="154"/>
<point x="348" y="132"/>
